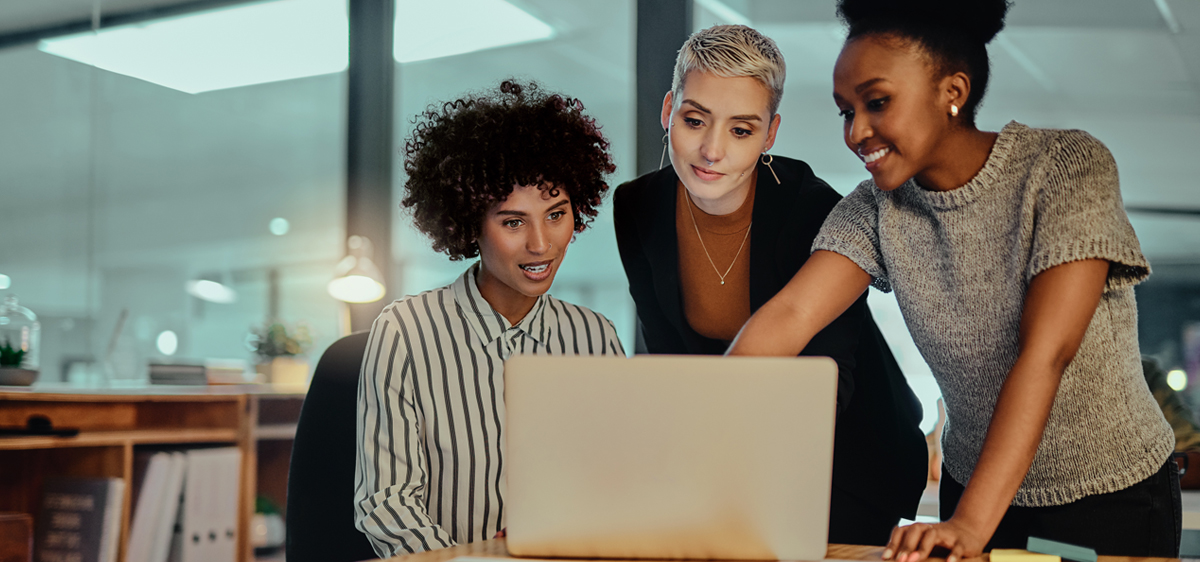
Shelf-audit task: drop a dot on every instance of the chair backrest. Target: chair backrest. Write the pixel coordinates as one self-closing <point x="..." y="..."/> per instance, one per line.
<point x="320" y="502"/>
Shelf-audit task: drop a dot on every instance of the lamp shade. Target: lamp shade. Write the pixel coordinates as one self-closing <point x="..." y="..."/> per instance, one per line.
<point x="356" y="278"/>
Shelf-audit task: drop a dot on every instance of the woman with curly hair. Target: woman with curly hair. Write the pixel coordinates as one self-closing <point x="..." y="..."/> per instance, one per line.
<point x="509" y="176"/>
<point x="1014" y="265"/>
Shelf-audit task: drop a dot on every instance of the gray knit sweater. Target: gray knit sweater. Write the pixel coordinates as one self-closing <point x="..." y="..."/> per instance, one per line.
<point x="960" y="262"/>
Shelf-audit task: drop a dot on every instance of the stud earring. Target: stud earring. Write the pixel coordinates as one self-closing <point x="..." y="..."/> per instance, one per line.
<point x="664" y="152"/>
<point x="953" y="110"/>
<point x="766" y="160"/>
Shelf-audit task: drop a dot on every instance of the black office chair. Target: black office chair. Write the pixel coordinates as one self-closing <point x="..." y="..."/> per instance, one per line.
<point x="320" y="498"/>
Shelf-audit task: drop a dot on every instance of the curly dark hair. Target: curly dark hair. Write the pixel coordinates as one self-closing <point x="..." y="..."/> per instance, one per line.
<point x="953" y="32"/>
<point x="466" y="155"/>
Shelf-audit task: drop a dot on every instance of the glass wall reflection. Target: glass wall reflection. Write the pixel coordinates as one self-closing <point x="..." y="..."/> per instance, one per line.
<point x="119" y="193"/>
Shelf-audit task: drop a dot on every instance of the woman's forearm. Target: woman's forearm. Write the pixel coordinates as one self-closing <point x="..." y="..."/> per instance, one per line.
<point x="1059" y="307"/>
<point x="1018" y="421"/>
<point x="820" y="292"/>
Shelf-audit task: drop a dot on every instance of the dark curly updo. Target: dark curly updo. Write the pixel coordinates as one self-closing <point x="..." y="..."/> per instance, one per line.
<point x="954" y="33"/>
<point x="466" y="155"/>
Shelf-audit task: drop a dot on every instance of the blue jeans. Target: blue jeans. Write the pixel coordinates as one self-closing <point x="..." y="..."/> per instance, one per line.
<point x="1144" y="519"/>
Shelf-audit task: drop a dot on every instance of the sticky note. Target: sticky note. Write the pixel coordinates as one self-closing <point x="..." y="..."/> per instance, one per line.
<point x="1018" y="555"/>
<point x="1061" y="550"/>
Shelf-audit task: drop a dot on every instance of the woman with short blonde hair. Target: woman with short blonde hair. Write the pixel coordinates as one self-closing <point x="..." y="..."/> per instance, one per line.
<point x="708" y="239"/>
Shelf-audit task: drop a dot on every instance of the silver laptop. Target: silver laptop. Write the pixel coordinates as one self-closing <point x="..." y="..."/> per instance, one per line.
<point x="669" y="457"/>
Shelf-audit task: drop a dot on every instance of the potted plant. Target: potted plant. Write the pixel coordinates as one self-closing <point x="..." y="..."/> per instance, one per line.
<point x="280" y="351"/>
<point x="11" y="372"/>
<point x="19" y="337"/>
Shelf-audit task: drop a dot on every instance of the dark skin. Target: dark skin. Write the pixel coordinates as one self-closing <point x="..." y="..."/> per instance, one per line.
<point x="899" y="120"/>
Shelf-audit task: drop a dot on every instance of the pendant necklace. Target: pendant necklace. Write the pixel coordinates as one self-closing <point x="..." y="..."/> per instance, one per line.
<point x="703" y="247"/>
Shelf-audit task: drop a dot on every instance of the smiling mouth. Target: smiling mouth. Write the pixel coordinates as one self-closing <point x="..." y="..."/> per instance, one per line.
<point x="536" y="267"/>
<point x="873" y="156"/>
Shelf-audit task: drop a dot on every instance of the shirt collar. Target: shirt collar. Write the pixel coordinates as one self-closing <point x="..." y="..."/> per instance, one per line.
<point x="490" y="325"/>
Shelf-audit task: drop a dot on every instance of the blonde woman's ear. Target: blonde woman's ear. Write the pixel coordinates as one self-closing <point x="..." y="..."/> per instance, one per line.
<point x="772" y="130"/>
<point x="668" y="105"/>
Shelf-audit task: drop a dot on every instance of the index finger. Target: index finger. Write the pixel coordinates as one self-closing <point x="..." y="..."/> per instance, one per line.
<point x="889" y="550"/>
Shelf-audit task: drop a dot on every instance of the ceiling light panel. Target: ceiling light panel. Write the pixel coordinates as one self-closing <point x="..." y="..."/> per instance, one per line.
<point x="219" y="49"/>
<point x="429" y="30"/>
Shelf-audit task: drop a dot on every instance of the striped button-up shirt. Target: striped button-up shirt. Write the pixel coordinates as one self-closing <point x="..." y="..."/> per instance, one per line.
<point x="430" y="465"/>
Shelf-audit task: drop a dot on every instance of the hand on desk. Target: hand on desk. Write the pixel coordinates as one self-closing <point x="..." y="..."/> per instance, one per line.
<point x="912" y="543"/>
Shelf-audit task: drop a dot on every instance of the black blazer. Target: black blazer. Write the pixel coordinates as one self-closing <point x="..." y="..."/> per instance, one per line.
<point x="880" y="455"/>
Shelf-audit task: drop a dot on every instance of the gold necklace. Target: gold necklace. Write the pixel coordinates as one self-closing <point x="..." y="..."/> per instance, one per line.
<point x="703" y="247"/>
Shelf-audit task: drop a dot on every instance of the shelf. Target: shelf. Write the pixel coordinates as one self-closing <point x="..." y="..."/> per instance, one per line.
<point x="115" y="438"/>
<point x="114" y="422"/>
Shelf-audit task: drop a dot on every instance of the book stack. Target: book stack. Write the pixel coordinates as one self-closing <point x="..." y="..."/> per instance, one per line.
<point x="213" y="371"/>
<point x="177" y="373"/>
<point x="80" y="520"/>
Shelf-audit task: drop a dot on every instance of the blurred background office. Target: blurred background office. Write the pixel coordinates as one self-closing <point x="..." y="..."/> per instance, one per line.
<point x="177" y="174"/>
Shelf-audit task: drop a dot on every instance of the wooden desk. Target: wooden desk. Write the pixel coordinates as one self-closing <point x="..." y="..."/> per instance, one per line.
<point x="115" y="422"/>
<point x="496" y="549"/>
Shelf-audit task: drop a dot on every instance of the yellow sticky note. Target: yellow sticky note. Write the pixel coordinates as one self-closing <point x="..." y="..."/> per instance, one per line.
<point x="1019" y="555"/>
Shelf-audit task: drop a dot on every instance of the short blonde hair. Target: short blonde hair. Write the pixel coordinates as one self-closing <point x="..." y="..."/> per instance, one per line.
<point x="732" y="51"/>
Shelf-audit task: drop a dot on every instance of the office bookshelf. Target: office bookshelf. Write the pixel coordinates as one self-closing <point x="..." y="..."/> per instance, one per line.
<point x="114" y="424"/>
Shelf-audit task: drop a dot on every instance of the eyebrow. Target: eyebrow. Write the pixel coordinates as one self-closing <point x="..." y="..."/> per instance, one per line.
<point x="524" y="214"/>
<point x="859" y="88"/>
<point x="747" y="117"/>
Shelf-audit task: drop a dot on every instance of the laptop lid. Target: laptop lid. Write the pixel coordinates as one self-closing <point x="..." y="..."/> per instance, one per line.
<point x="669" y="456"/>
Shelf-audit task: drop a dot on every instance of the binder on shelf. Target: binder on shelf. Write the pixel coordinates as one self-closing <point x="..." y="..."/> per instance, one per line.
<point x="157" y="508"/>
<point x="147" y="511"/>
<point x="210" y="505"/>
<point x="80" y="519"/>
<point x="164" y="527"/>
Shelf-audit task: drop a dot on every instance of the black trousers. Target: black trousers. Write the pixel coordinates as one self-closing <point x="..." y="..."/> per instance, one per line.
<point x="1144" y="519"/>
<point x="853" y="521"/>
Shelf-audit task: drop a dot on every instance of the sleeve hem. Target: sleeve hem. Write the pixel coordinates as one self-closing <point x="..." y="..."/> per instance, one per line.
<point x="830" y="244"/>
<point x="1129" y="267"/>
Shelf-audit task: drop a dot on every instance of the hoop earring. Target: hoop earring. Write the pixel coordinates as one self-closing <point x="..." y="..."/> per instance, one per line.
<point x="953" y="110"/>
<point x="766" y="160"/>
<point x="664" y="152"/>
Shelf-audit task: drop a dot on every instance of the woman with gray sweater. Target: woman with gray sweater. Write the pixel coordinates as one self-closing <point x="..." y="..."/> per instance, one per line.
<point x="1014" y="265"/>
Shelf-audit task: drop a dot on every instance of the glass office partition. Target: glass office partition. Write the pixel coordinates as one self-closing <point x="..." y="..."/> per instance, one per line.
<point x="581" y="48"/>
<point x="149" y="215"/>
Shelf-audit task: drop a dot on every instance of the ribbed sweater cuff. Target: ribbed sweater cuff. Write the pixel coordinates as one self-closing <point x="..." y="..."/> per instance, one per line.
<point x="1129" y="266"/>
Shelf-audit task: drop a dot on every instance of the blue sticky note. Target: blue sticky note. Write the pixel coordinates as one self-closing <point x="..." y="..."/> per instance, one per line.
<point x="1061" y="549"/>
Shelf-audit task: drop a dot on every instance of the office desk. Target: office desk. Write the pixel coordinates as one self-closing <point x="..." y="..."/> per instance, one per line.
<point x="496" y="549"/>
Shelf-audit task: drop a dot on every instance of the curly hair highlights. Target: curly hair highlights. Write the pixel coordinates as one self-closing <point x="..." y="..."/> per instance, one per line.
<point x="468" y="154"/>
<point x="954" y="33"/>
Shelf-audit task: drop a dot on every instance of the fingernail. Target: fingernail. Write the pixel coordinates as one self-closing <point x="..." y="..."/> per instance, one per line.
<point x="887" y="554"/>
<point x="952" y="558"/>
